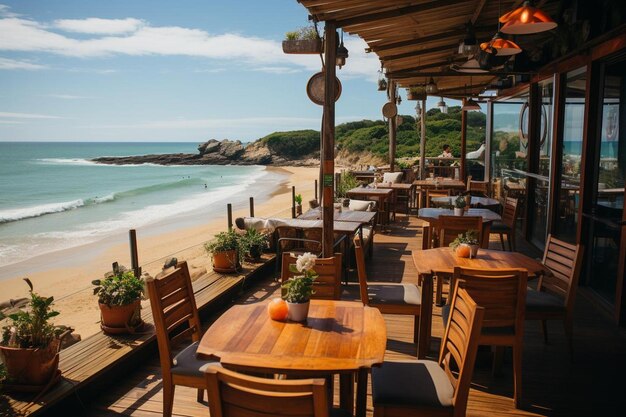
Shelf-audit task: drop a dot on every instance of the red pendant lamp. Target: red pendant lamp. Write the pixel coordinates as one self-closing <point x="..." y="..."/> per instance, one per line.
<point x="526" y="20"/>
<point x="504" y="47"/>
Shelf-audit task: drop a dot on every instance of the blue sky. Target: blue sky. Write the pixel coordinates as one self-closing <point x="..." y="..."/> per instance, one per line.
<point x="146" y="70"/>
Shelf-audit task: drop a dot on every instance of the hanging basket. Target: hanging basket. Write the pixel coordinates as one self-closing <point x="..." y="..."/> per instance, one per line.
<point x="303" y="46"/>
<point x="416" y="94"/>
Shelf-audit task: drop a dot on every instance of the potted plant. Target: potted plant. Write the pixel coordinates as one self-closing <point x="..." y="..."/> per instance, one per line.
<point x="459" y="205"/>
<point x="416" y="93"/>
<point x="225" y="250"/>
<point x="30" y="344"/>
<point x="347" y="182"/>
<point x="298" y="200"/>
<point x="302" y="41"/>
<point x="297" y="290"/>
<point x="253" y="243"/>
<point x="119" y="297"/>
<point x="466" y="244"/>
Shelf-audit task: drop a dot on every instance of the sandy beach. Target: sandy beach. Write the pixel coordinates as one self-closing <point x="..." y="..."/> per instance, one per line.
<point x="72" y="270"/>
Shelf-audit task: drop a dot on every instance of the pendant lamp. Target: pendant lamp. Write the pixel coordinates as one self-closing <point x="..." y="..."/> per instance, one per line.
<point x="469" y="104"/>
<point x="503" y="47"/>
<point x="526" y="20"/>
<point x="442" y="106"/>
<point x="431" y="87"/>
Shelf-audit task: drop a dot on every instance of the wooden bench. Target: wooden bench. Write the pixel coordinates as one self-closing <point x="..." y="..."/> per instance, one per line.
<point x="85" y="362"/>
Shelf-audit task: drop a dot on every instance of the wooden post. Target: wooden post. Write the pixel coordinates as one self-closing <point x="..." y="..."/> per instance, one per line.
<point x="423" y="141"/>
<point x="251" y="206"/>
<point x="463" y="174"/>
<point x="316" y="190"/>
<point x="293" y="202"/>
<point x="392" y="129"/>
<point x="488" y="142"/>
<point x="328" y="137"/>
<point x="134" y="255"/>
<point x="229" y="213"/>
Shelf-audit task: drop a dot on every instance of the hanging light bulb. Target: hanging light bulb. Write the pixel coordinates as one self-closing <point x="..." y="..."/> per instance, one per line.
<point x="471" y="66"/>
<point x="431" y="87"/>
<point x="503" y="47"/>
<point x="526" y="20"/>
<point x="469" y="104"/>
<point x="442" y="106"/>
<point x="342" y="53"/>
<point x="468" y="45"/>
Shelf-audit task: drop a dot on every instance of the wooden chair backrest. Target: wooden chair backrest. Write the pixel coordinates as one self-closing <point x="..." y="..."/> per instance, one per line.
<point x="450" y="227"/>
<point x="460" y="343"/>
<point x="509" y="213"/>
<point x="502" y="292"/>
<point x="235" y="395"/>
<point x="435" y="193"/>
<point x="479" y="186"/>
<point x="327" y="285"/>
<point x="360" y="269"/>
<point x="286" y="232"/>
<point x="314" y="233"/>
<point x="564" y="261"/>
<point x="173" y="303"/>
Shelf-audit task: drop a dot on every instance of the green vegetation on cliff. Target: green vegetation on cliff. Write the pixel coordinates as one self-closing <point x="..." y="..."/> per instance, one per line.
<point x="372" y="136"/>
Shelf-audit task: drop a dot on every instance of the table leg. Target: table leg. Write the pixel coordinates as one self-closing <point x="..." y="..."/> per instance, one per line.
<point x="426" y="237"/>
<point x="361" y="392"/>
<point x="423" y="344"/>
<point x="346" y="392"/>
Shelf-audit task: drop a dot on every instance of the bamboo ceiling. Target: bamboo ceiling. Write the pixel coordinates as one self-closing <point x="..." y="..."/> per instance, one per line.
<point x="417" y="39"/>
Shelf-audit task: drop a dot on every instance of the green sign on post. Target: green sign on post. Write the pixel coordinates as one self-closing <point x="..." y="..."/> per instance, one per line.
<point x="329" y="180"/>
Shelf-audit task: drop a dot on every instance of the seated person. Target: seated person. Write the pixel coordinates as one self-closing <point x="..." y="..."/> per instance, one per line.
<point x="447" y="151"/>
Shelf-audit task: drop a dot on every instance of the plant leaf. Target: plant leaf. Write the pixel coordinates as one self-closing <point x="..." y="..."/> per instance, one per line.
<point x="30" y="284"/>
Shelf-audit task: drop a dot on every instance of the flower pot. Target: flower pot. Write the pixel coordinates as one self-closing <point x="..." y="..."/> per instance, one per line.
<point x="225" y="262"/>
<point x="303" y="46"/>
<point x="463" y="251"/>
<point x="120" y="319"/>
<point x="298" y="311"/>
<point x="298" y="209"/>
<point x="345" y="202"/>
<point x="31" y="366"/>
<point x="474" y="250"/>
<point x="458" y="211"/>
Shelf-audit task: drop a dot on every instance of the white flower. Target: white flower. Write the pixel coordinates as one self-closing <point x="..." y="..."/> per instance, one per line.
<point x="305" y="262"/>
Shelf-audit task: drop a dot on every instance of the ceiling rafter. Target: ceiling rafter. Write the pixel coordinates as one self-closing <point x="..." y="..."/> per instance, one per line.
<point x="400" y="12"/>
<point x="420" y="52"/>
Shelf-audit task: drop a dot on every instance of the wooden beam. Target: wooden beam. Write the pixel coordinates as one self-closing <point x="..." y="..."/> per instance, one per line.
<point x="452" y="74"/>
<point x="420" y="52"/>
<point x="479" y="9"/>
<point x="392" y="128"/>
<point x="394" y="74"/>
<point x="328" y="139"/>
<point x="399" y="12"/>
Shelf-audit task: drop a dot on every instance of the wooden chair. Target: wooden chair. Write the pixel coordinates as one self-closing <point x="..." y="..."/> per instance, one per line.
<point x="429" y="388"/>
<point x="478" y="188"/>
<point x="173" y="304"/>
<point x="506" y="226"/>
<point x="449" y="228"/>
<point x="404" y="299"/>
<point x="430" y="193"/>
<point x="555" y="293"/>
<point x="502" y="292"/>
<point x="327" y="285"/>
<point x="235" y="395"/>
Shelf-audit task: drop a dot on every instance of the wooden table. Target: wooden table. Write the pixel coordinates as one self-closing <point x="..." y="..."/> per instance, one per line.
<point x="339" y="337"/>
<point x="407" y="189"/>
<point x="363" y="217"/>
<point x="475" y="201"/>
<point x="431" y="215"/>
<point x="443" y="183"/>
<point x="381" y="195"/>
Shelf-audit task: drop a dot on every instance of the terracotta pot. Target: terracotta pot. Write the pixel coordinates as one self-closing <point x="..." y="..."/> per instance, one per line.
<point x="31" y="366"/>
<point x="298" y="209"/>
<point x="463" y="251"/>
<point x="120" y="317"/>
<point x="303" y="46"/>
<point x="298" y="311"/>
<point x="225" y="262"/>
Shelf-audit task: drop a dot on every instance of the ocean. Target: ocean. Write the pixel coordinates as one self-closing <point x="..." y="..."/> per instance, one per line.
<point x="52" y="197"/>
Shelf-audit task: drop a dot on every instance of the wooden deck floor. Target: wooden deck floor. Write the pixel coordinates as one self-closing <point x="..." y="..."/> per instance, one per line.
<point x="591" y="384"/>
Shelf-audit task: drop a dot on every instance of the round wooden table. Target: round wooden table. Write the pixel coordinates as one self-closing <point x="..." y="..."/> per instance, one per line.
<point x="339" y="337"/>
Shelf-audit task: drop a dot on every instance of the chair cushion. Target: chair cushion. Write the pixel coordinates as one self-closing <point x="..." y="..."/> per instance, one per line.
<point x="395" y="294"/>
<point x="411" y="383"/>
<point x="361" y="205"/>
<point x="392" y="176"/>
<point x="543" y="301"/>
<point x="186" y="363"/>
<point x="498" y="226"/>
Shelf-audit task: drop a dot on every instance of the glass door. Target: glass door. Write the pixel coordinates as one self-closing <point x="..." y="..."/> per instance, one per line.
<point x="607" y="249"/>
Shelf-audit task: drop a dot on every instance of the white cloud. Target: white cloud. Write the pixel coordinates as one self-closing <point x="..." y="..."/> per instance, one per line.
<point x="27" y="116"/>
<point x="95" y="25"/>
<point x="140" y="38"/>
<point x="5" y="11"/>
<point x="12" y="64"/>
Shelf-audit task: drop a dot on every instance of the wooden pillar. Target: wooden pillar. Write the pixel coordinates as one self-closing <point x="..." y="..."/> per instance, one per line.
<point x="423" y="141"/>
<point x="488" y="140"/>
<point x="328" y="138"/>
<point x="293" y="202"/>
<point x="556" y="159"/>
<point x="229" y="216"/>
<point x="392" y="128"/>
<point x="316" y="190"/>
<point x="251" y="206"/>
<point x="463" y="144"/>
<point x="134" y="254"/>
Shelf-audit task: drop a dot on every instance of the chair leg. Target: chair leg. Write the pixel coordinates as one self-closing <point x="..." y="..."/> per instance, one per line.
<point x="544" y="329"/>
<point x="416" y="329"/>
<point x="168" y="398"/>
<point x="200" y="396"/>
<point x="498" y="360"/>
<point x="509" y="239"/>
<point x="517" y="374"/>
<point x="439" y="290"/>
<point x="502" y="241"/>
<point x="512" y="240"/>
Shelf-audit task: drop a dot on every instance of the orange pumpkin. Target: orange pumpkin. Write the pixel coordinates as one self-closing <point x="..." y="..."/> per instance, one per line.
<point x="278" y="309"/>
<point x="463" y="251"/>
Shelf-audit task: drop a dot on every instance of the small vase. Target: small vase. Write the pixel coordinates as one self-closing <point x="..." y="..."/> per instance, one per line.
<point x="474" y="251"/>
<point x="298" y="311"/>
<point x="458" y="211"/>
